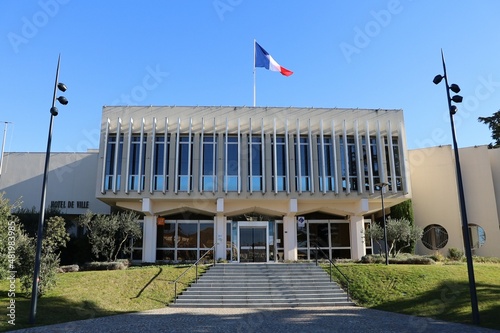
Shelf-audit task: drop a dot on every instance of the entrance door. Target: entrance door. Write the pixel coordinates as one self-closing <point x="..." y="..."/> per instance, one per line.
<point x="253" y="244"/>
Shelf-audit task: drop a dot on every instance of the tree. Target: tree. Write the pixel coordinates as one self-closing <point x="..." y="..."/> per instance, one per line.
<point x="54" y="238"/>
<point x="7" y="235"/>
<point x="493" y="123"/>
<point x="399" y="231"/>
<point x="404" y="210"/>
<point x="110" y="235"/>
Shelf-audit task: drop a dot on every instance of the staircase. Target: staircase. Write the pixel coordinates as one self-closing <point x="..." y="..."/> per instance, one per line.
<point x="263" y="285"/>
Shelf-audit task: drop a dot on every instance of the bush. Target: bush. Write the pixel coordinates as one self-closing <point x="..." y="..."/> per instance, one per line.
<point x="106" y="266"/>
<point x="402" y="259"/>
<point x="455" y="254"/>
<point x="69" y="268"/>
<point x="437" y="257"/>
<point x="486" y="260"/>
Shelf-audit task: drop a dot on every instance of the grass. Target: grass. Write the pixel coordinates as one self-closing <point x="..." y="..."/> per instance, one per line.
<point x="90" y="294"/>
<point x="438" y="291"/>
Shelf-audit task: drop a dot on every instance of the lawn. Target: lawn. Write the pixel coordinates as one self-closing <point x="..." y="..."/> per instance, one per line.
<point x="90" y="294"/>
<point x="438" y="291"/>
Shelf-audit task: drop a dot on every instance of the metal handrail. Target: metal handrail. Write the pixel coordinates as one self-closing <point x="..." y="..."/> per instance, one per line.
<point x="196" y="274"/>
<point x="338" y="269"/>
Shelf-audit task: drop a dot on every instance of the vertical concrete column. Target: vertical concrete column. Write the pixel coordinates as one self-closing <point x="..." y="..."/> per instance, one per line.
<point x="220" y="231"/>
<point x="149" y="239"/>
<point x="357" y="228"/>
<point x="290" y="237"/>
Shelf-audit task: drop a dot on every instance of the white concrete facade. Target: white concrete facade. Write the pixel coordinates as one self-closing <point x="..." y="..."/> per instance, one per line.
<point x="223" y="167"/>
<point x="436" y="204"/>
<point x="70" y="182"/>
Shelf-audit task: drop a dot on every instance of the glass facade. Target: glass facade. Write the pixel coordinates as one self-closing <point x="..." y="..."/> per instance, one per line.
<point x="185" y="163"/>
<point x="209" y="163"/>
<point x="184" y="240"/>
<point x="232" y="164"/>
<point x="255" y="164"/>
<point x="279" y="167"/>
<point x="326" y="164"/>
<point x="390" y="154"/>
<point x="324" y="239"/>
<point x="137" y="163"/>
<point x="348" y="161"/>
<point x="114" y="154"/>
<point x="302" y="164"/>
<point x="160" y="163"/>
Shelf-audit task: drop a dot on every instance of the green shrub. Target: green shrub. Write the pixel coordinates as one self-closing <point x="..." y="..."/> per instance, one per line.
<point x="437" y="257"/>
<point x="455" y="254"/>
<point x="105" y="266"/>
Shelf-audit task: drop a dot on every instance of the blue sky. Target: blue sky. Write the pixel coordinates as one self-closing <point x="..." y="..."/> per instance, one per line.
<point x="346" y="54"/>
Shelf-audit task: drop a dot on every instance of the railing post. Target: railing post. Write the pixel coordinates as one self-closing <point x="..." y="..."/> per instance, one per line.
<point x="330" y="271"/>
<point x="175" y="292"/>
<point x="196" y="276"/>
<point x="317" y="250"/>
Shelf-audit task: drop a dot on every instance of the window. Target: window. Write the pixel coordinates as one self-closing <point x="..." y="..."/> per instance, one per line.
<point x="137" y="244"/>
<point x="279" y="164"/>
<point x="375" y="160"/>
<point x="113" y="159"/>
<point x="302" y="165"/>
<point x="332" y="237"/>
<point x="397" y="164"/>
<point x="185" y="163"/>
<point x="349" y="166"/>
<point x="477" y="236"/>
<point x="209" y="163"/>
<point x="326" y="180"/>
<point x="435" y="237"/>
<point x="137" y="163"/>
<point x="231" y="165"/>
<point x="255" y="164"/>
<point x="184" y="240"/>
<point x="160" y="164"/>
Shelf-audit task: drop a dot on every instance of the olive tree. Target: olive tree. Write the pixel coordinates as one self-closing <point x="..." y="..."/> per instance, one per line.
<point x="110" y="235"/>
<point x="399" y="231"/>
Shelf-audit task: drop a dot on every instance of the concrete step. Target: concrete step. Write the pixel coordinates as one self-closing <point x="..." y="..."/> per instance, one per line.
<point x="263" y="285"/>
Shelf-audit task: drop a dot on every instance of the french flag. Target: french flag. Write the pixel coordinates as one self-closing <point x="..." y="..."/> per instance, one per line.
<point x="264" y="59"/>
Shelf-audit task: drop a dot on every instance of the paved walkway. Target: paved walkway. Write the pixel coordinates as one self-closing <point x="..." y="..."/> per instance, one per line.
<point x="275" y="320"/>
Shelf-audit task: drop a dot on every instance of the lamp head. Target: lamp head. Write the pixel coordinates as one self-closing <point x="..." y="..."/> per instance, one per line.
<point x="61" y="86"/>
<point x="455" y="88"/>
<point x="63" y="100"/>
<point x="54" y="111"/>
<point x="457" y="99"/>
<point x="453" y="109"/>
<point x="437" y="79"/>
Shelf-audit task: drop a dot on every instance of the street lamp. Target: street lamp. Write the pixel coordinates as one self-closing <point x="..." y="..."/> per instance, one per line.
<point x="381" y="187"/>
<point x="465" y="226"/>
<point x="36" y="274"/>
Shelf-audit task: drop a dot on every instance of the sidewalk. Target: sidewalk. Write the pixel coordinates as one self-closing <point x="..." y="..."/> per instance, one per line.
<point x="275" y="320"/>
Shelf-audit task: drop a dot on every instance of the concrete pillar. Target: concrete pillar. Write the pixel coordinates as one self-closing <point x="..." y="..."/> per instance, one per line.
<point x="357" y="228"/>
<point x="149" y="239"/>
<point x="220" y="236"/>
<point x="289" y="238"/>
<point x="220" y="231"/>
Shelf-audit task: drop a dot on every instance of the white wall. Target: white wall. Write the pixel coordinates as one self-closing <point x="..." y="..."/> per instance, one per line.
<point x="71" y="181"/>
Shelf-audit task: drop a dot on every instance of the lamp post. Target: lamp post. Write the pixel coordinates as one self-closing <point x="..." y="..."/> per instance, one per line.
<point x="381" y="186"/>
<point x="36" y="274"/>
<point x="463" y="212"/>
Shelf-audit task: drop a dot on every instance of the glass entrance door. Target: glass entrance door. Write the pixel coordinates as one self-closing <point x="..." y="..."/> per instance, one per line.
<point x="253" y="244"/>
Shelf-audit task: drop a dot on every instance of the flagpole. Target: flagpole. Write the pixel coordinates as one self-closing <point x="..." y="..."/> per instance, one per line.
<point x="254" y="80"/>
